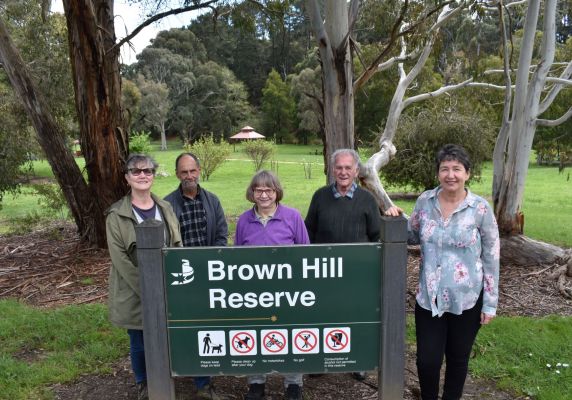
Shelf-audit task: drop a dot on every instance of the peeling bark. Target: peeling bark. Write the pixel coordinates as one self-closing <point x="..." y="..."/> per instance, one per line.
<point x="97" y="84"/>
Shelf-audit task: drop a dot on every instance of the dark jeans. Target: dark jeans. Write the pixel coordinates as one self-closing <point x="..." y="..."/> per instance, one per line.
<point x="450" y="335"/>
<point x="137" y="353"/>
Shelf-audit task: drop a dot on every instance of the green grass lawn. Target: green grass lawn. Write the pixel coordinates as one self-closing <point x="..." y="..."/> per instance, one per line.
<point x="547" y="199"/>
<point x="39" y="348"/>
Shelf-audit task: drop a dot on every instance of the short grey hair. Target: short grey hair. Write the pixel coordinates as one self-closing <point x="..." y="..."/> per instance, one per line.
<point x="136" y="159"/>
<point x="264" y="178"/>
<point x="339" y="152"/>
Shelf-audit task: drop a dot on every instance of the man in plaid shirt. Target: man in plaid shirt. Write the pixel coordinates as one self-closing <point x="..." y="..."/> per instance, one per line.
<point x="202" y="223"/>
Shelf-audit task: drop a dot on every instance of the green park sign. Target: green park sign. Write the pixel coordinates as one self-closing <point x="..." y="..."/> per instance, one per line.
<point x="252" y="310"/>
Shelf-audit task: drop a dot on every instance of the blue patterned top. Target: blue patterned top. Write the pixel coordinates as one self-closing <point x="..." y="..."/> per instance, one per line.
<point x="459" y="255"/>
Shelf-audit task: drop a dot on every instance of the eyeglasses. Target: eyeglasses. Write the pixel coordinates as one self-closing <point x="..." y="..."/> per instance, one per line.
<point x="137" y="171"/>
<point x="267" y="192"/>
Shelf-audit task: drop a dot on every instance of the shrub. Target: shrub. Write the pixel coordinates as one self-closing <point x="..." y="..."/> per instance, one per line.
<point x="210" y="154"/>
<point x="140" y="142"/>
<point x="259" y="151"/>
<point x="421" y="136"/>
<point x="51" y="199"/>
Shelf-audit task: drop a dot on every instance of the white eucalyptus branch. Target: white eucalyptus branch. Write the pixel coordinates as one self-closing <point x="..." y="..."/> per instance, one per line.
<point x="399" y="59"/>
<point x="494" y="5"/>
<point x="435" y="93"/>
<point x="551" y="96"/>
<point x="555" y="122"/>
<point x="559" y="81"/>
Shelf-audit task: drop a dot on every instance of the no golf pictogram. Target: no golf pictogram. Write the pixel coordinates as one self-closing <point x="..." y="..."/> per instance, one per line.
<point x="274" y="342"/>
<point x="243" y="343"/>
<point x="337" y="340"/>
<point x="305" y="341"/>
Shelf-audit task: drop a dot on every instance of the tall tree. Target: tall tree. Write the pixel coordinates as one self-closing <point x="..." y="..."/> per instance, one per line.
<point x="278" y="108"/>
<point x="155" y="106"/>
<point x="534" y="93"/>
<point x="94" y="56"/>
<point x="44" y="49"/>
<point x="50" y="136"/>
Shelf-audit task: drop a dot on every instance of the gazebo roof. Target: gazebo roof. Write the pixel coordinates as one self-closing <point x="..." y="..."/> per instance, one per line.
<point x="247" y="133"/>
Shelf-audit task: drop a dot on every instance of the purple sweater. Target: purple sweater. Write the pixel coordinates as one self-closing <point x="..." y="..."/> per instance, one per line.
<point x="285" y="227"/>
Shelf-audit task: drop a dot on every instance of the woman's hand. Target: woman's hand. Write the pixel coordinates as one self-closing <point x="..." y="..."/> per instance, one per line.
<point x="486" y="318"/>
<point x="393" y="211"/>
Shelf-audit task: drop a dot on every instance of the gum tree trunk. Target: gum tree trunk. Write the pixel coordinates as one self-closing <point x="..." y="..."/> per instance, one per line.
<point x="97" y="84"/>
<point x="337" y="73"/>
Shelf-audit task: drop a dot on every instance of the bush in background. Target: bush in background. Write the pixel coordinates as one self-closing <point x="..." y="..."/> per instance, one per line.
<point x="422" y="135"/>
<point x="52" y="208"/>
<point x="140" y="142"/>
<point x="210" y="154"/>
<point x="259" y="151"/>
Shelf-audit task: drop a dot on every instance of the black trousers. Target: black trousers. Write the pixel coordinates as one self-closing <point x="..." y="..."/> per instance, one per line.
<point x="450" y="335"/>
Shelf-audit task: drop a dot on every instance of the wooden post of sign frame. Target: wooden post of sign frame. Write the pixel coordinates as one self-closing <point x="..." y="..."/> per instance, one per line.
<point x="150" y="239"/>
<point x="393" y="296"/>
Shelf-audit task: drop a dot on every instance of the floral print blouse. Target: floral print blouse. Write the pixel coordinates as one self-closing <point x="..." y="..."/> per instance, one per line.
<point x="459" y="255"/>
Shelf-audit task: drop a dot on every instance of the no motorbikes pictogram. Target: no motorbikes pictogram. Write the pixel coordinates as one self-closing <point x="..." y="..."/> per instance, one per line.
<point x="274" y="342"/>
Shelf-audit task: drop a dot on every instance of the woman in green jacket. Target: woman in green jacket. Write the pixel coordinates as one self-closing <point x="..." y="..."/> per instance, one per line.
<point x="124" y="290"/>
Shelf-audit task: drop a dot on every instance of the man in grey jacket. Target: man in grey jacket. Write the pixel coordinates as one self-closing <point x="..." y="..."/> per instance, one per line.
<point x="202" y="223"/>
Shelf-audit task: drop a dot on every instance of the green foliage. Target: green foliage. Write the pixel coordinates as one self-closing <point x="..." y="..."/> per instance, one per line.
<point x="23" y="224"/>
<point x="278" y="108"/>
<point x="43" y="45"/>
<point x="52" y="207"/>
<point x="140" y="142"/>
<point x="306" y="87"/>
<point x="14" y="143"/>
<point x="130" y="99"/>
<point x="200" y="96"/>
<point x="51" y="199"/>
<point x="210" y="154"/>
<point x="40" y="348"/>
<point x="259" y="151"/>
<point x="421" y="135"/>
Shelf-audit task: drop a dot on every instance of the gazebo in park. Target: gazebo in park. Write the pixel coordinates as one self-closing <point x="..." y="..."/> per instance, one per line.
<point x="246" y="133"/>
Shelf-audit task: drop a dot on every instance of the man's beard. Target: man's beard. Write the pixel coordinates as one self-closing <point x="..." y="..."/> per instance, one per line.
<point x="189" y="185"/>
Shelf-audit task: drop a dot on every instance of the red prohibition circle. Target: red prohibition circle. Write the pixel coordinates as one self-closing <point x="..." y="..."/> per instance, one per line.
<point x="298" y="335"/>
<point x="331" y="336"/>
<point x="248" y="349"/>
<point x="272" y="339"/>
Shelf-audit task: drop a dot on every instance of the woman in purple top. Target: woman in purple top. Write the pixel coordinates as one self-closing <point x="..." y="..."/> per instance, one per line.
<point x="270" y="223"/>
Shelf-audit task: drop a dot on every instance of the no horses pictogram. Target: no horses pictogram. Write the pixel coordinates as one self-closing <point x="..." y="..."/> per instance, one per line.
<point x="337" y="340"/>
<point x="305" y="341"/>
<point x="242" y="343"/>
<point x="274" y="342"/>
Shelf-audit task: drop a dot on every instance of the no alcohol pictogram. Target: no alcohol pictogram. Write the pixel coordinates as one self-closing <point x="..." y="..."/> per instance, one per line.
<point x="242" y="343"/>
<point x="337" y="340"/>
<point x="274" y="342"/>
<point x="305" y="341"/>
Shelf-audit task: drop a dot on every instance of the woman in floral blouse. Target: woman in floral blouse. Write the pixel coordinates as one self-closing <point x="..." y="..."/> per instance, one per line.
<point x="458" y="276"/>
